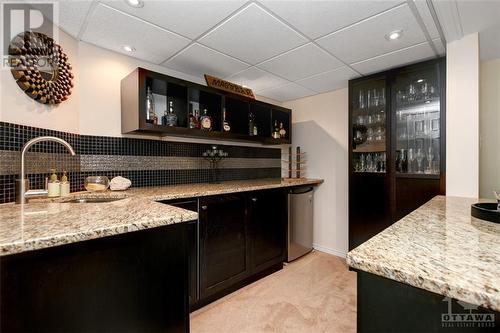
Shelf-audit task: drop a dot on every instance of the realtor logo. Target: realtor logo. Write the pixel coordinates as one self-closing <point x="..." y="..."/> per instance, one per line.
<point x="473" y="318"/>
<point x="18" y="17"/>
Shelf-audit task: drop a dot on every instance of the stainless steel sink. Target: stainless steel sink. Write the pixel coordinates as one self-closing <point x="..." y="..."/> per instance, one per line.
<point x="93" y="200"/>
<point x="486" y="211"/>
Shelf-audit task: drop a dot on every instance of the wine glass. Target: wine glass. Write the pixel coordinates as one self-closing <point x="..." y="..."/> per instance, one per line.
<point x="362" y="163"/>
<point x="411" y="160"/>
<point x="369" y="163"/>
<point x="420" y="157"/>
<point x="361" y="101"/>
<point x="430" y="158"/>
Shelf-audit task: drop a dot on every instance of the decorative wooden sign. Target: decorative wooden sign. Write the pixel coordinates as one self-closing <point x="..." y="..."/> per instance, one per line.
<point x="234" y="88"/>
<point x="40" y="67"/>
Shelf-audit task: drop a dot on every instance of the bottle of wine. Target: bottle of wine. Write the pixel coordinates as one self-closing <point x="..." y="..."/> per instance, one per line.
<point x="276" y="131"/>
<point x="282" y="131"/>
<point x="151" y="117"/>
<point x="225" y="124"/>
<point x="206" y="121"/>
<point x="404" y="161"/>
<point x="252" y="129"/>
<point x="171" y="117"/>
<point x="193" y="120"/>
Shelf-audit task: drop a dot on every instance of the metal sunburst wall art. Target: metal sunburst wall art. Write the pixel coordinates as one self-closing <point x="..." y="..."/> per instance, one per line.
<point x="40" y="67"/>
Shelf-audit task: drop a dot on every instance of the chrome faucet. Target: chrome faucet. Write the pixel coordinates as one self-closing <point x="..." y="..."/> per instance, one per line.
<point x="23" y="193"/>
<point x="497" y="196"/>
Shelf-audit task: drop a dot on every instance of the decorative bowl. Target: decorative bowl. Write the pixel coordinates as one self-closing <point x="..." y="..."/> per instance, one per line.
<point x="96" y="183"/>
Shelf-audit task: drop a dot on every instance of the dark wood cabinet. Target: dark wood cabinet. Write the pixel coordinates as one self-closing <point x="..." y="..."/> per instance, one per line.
<point x="188" y="98"/>
<point x="396" y="145"/>
<point x="224" y="259"/>
<point x="267" y="228"/>
<point x="135" y="282"/>
<point x="241" y="239"/>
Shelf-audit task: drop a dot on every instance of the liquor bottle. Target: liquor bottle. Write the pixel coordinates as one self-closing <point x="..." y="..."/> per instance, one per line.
<point x="170" y="117"/>
<point x="276" y="131"/>
<point x="193" y="120"/>
<point x="251" y="124"/>
<point x="225" y="124"/>
<point x="404" y="161"/>
<point x="197" y="116"/>
<point x="282" y="131"/>
<point x="206" y="121"/>
<point x="150" y="108"/>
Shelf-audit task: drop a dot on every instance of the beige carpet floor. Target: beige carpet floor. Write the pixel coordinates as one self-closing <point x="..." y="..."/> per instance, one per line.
<point x="315" y="293"/>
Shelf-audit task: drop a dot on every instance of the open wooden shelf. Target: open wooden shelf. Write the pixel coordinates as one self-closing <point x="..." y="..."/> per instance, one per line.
<point x="188" y="96"/>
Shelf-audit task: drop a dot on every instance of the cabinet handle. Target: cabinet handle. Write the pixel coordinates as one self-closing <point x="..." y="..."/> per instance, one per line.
<point x="204" y="207"/>
<point x="254" y="199"/>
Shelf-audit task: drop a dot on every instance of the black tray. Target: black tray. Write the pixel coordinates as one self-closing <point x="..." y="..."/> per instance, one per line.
<point x="486" y="211"/>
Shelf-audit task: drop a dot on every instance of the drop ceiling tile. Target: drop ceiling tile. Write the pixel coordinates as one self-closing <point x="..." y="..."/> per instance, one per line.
<point x="366" y="39"/>
<point x="257" y="79"/>
<point x="72" y="15"/>
<point x="478" y="15"/>
<point x="402" y="57"/>
<point x="188" y="18"/>
<point x="302" y="62"/>
<point x="286" y="92"/>
<point x="423" y="9"/>
<point x="198" y="60"/>
<point x="328" y="81"/>
<point x="318" y="18"/>
<point x="112" y="29"/>
<point x="253" y="36"/>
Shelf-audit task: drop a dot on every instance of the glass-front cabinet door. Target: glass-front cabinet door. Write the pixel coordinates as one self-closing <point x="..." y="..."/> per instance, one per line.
<point x="369" y="126"/>
<point x="417" y="122"/>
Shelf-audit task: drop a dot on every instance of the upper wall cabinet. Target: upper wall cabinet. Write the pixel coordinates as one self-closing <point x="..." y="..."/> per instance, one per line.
<point x="159" y="104"/>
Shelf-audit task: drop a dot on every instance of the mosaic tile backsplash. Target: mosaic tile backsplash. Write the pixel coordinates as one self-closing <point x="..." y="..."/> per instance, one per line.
<point x="145" y="162"/>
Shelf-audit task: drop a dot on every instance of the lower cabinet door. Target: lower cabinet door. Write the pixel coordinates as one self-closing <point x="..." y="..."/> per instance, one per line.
<point x="267" y="223"/>
<point x="223" y="243"/>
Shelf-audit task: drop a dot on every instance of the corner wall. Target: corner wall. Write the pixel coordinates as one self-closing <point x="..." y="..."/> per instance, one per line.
<point x="489" y="119"/>
<point x="462" y="117"/>
<point x="320" y="127"/>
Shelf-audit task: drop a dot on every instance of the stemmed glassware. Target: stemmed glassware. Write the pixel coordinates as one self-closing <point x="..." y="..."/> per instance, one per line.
<point x="419" y="157"/>
<point x="430" y="158"/>
<point x="411" y="160"/>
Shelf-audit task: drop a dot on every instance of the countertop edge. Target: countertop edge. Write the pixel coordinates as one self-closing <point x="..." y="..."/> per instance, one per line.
<point x="65" y="239"/>
<point x="21" y="246"/>
<point x="435" y="286"/>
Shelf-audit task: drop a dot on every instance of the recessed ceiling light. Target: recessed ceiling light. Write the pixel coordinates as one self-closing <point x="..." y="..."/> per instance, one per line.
<point x="420" y="80"/>
<point x="393" y="35"/>
<point x="128" y="48"/>
<point x="135" y="3"/>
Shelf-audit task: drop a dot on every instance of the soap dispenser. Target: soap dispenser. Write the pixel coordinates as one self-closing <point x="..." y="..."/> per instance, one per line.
<point x="53" y="185"/>
<point x="65" y="188"/>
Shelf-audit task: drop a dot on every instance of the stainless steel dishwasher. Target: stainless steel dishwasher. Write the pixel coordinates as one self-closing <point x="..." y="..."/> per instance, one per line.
<point x="300" y="222"/>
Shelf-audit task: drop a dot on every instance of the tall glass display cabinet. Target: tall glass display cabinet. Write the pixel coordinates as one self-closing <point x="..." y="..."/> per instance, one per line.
<point x="397" y="145"/>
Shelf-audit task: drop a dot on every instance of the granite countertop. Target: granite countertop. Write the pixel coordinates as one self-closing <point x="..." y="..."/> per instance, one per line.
<point x="51" y="222"/>
<point x="441" y="248"/>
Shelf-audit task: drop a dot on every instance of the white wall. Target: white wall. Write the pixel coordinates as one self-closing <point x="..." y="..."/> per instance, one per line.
<point x="320" y="127"/>
<point x="489" y="118"/>
<point x="17" y="107"/>
<point x="462" y="117"/>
